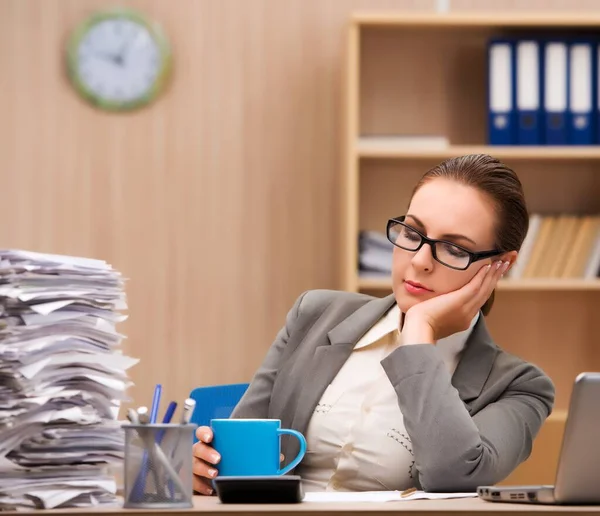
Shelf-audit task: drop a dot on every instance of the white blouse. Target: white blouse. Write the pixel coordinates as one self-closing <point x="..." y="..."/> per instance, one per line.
<point x="356" y="439"/>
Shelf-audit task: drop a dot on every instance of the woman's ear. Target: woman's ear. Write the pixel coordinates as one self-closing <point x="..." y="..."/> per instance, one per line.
<point x="511" y="258"/>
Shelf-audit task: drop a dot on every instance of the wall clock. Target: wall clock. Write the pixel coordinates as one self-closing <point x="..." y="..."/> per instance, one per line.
<point x="118" y="60"/>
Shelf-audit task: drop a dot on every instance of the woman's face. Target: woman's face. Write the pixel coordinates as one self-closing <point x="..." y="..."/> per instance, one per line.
<point x="446" y="210"/>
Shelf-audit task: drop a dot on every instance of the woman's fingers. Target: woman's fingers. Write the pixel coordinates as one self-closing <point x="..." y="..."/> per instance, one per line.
<point x="203" y="469"/>
<point x="487" y="285"/>
<point x="204" y="434"/>
<point x="492" y="278"/>
<point x="206" y="453"/>
<point x="204" y="458"/>
<point x="201" y="486"/>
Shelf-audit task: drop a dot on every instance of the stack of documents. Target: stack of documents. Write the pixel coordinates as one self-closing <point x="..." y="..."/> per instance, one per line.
<point x="62" y="378"/>
<point x="375" y="254"/>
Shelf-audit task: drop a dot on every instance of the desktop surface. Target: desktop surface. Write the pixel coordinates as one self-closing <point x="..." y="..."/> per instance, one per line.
<point x="208" y="505"/>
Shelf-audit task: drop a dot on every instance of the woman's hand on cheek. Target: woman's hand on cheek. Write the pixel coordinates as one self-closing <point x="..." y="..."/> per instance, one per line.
<point x="446" y="314"/>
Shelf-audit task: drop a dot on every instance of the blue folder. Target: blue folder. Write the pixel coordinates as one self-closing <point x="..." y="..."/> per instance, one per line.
<point x="528" y="64"/>
<point x="555" y="66"/>
<point x="501" y="93"/>
<point x="582" y="82"/>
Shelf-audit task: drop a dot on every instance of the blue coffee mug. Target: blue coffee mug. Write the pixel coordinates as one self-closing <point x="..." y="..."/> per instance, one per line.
<point x="252" y="447"/>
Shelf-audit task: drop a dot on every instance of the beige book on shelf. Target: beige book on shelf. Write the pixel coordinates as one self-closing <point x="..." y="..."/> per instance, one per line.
<point x="582" y="247"/>
<point x="537" y="254"/>
<point x="565" y="236"/>
<point x="592" y="266"/>
<point x="516" y="272"/>
<point x="551" y="248"/>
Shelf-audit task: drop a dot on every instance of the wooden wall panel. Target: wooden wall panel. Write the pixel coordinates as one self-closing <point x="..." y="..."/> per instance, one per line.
<point x="524" y="5"/>
<point x="219" y="202"/>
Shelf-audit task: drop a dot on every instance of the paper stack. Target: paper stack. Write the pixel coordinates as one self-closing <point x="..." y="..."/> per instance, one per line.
<point x="62" y="378"/>
<point x="375" y="254"/>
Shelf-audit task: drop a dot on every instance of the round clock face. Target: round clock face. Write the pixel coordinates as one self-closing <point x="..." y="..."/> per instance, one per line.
<point x="118" y="61"/>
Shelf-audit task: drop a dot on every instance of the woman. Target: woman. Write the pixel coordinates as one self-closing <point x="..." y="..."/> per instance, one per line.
<point x="409" y="390"/>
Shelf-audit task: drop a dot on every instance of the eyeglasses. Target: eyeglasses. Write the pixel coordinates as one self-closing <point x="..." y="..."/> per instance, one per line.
<point x="451" y="255"/>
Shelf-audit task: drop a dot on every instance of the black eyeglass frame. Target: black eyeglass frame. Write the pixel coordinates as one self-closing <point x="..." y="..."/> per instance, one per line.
<point x="473" y="257"/>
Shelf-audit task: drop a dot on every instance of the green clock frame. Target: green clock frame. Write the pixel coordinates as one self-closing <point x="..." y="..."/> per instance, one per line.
<point x="157" y="35"/>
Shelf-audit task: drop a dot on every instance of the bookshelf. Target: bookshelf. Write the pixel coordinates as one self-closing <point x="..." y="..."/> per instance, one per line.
<point x="384" y="286"/>
<point x="487" y="20"/>
<point x="394" y="91"/>
<point x="373" y="149"/>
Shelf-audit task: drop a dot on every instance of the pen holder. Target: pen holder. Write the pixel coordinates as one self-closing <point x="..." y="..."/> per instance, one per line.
<point x="158" y="466"/>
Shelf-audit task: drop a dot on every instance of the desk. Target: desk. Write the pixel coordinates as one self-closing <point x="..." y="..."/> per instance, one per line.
<point x="208" y="506"/>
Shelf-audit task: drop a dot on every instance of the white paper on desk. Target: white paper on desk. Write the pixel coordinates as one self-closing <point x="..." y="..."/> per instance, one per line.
<point x="65" y="261"/>
<point x="98" y="382"/>
<point x="378" y="496"/>
<point x="51" y="498"/>
<point x="9" y="465"/>
<point x="83" y="306"/>
<point x="110" y="362"/>
<point x="16" y="350"/>
<point x="422" y="495"/>
<point x="105" y="321"/>
<point x="48" y="308"/>
<point x="350" y="496"/>
<point x="33" y="423"/>
<point x="33" y="319"/>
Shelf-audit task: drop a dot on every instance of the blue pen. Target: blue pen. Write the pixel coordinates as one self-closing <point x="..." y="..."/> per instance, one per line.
<point x="166" y="420"/>
<point x="170" y="412"/>
<point x="155" y="404"/>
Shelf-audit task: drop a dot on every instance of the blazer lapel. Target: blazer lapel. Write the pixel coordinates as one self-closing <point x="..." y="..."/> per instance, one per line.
<point x="476" y="363"/>
<point x="329" y="358"/>
<point x="351" y="329"/>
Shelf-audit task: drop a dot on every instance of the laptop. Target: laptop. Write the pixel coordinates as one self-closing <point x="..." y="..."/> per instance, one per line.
<point x="578" y="474"/>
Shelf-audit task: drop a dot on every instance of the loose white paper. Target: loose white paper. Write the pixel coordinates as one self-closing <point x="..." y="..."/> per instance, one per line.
<point x="378" y="496"/>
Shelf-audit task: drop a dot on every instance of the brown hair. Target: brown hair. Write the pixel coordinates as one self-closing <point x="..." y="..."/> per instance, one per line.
<point x="501" y="185"/>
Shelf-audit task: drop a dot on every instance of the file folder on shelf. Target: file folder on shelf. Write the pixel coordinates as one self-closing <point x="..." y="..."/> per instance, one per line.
<point x="596" y="89"/>
<point x="581" y="88"/>
<point x="501" y="86"/>
<point x="528" y="92"/>
<point x="556" y="86"/>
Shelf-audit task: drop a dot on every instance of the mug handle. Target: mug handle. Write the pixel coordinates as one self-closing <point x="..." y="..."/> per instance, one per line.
<point x="299" y="457"/>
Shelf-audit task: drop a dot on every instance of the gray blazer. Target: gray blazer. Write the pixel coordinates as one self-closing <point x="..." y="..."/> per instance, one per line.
<point x="469" y="429"/>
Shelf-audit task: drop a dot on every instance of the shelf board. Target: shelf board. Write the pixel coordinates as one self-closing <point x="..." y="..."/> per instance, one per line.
<point x="558" y="416"/>
<point x="373" y="283"/>
<point x="375" y="149"/>
<point x="479" y="19"/>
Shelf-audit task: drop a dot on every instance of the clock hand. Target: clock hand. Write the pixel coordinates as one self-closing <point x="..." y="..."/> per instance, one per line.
<point x="120" y="59"/>
<point x="107" y="57"/>
<point x="117" y="57"/>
